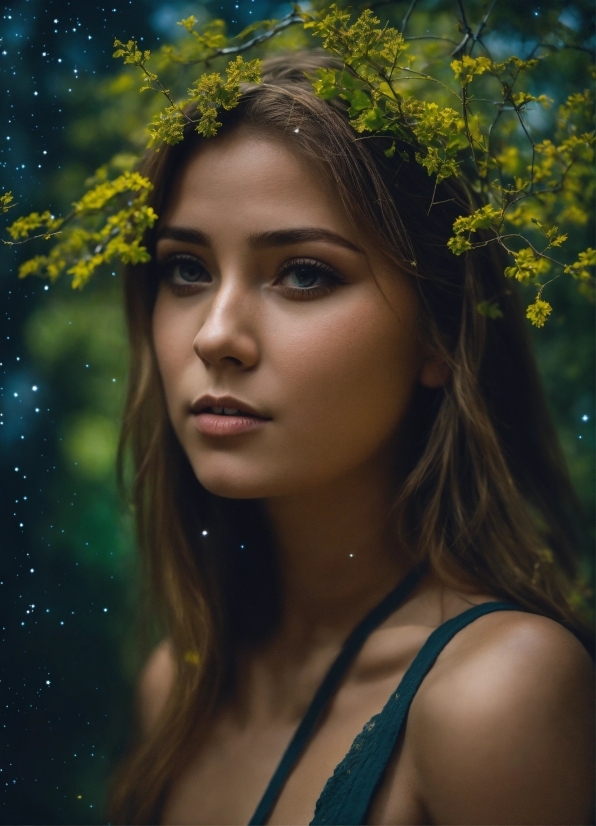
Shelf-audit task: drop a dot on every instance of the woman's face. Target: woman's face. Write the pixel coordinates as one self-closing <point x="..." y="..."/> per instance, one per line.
<point x="268" y="305"/>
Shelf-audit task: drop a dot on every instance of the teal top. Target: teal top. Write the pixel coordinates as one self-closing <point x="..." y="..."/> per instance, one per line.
<point x="348" y="794"/>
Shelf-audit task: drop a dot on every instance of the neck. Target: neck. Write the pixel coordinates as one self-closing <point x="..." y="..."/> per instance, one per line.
<point x="338" y="554"/>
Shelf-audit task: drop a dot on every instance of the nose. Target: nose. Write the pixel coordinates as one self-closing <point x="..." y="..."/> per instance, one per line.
<point x="227" y="337"/>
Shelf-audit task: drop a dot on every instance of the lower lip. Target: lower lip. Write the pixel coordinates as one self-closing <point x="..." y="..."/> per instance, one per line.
<point x="210" y="424"/>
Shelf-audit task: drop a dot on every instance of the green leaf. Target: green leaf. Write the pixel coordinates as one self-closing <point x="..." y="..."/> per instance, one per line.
<point x="370" y="120"/>
<point x="489" y="309"/>
<point x="358" y="100"/>
<point x="326" y="84"/>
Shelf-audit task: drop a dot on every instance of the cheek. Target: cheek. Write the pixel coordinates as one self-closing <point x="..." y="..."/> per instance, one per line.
<point x="348" y="381"/>
<point x="172" y="331"/>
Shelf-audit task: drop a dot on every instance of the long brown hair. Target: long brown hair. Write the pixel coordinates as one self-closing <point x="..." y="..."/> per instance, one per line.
<point x="487" y="500"/>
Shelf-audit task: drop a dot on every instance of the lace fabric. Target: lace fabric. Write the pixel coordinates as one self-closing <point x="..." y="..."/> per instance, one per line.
<point x="348" y="794"/>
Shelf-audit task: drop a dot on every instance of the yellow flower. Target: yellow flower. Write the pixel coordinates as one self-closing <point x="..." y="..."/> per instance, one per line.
<point x="538" y="312"/>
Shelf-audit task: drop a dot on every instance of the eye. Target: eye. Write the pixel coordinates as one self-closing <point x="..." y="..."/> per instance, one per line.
<point x="181" y="270"/>
<point x="307" y="278"/>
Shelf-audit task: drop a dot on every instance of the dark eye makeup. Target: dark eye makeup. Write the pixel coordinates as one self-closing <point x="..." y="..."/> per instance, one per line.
<point x="180" y="270"/>
<point x="299" y="278"/>
<point x="305" y="273"/>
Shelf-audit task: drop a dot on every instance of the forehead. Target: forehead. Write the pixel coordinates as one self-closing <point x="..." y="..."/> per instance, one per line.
<point x="253" y="177"/>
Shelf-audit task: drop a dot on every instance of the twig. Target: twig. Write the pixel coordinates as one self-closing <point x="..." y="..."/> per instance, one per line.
<point x="288" y="20"/>
<point x="528" y="136"/>
<point x="554" y="48"/>
<point x="432" y="37"/>
<point x="44" y="235"/>
<point x="488" y="138"/>
<point x="481" y="25"/>
<point x="406" y="16"/>
<point x="468" y="31"/>
<point x="463" y="16"/>
<point x="469" y="34"/>
<point x="537" y="252"/>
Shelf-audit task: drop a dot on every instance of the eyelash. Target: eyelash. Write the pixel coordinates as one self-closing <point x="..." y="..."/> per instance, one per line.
<point x="304" y="293"/>
<point x="333" y="279"/>
<point x="166" y="268"/>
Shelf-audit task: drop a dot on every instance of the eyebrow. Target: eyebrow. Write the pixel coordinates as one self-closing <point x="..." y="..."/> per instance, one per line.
<point x="263" y="240"/>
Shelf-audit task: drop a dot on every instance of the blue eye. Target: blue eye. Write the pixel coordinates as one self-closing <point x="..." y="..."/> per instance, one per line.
<point x="302" y="276"/>
<point x="307" y="278"/>
<point x="184" y="269"/>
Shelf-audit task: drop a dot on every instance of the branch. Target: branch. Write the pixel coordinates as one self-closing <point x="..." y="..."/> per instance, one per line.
<point x="482" y="24"/>
<point x="468" y="31"/>
<point x="539" y="253"/>
<point x="464" y="20"/>
<point x="44" y="235"/>
<point x="469" y="34"/>
<point x="552" y="47"/>
<point x="288" y="20"/>
<point x="432" y="37"/>
<point x="406" y="16"/>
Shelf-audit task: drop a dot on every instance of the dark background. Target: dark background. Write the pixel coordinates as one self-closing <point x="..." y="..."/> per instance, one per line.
<point x="68" y="576"/>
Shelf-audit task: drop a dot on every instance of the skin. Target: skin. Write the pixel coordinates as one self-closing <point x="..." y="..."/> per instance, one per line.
<point x="499" y="731"/>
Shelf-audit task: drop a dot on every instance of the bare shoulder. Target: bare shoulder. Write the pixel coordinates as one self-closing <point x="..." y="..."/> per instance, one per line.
<point x="501" y="730"/>
<point x="154" y="685"/>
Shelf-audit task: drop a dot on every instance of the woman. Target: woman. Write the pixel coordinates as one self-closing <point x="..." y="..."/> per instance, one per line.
<point x="322" y="423"/>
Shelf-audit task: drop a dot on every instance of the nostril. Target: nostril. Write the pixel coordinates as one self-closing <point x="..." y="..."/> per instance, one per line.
<point x="227" y="347"/>
<point x="231" y="360"/>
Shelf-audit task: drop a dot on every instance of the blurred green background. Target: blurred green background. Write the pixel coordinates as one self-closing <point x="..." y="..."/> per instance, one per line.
<point x="69" y="587"/>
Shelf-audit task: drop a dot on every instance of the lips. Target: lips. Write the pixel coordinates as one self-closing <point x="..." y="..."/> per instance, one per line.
<point x="225" y="406"/>
<point x="226" y="416"/>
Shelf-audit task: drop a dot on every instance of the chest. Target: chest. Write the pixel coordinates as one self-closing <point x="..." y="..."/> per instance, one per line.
<point x="231" y="769"/>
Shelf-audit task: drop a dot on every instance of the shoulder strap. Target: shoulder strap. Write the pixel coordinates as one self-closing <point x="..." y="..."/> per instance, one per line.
<point x="349" y="792"/>
<point x="328" y="687"/>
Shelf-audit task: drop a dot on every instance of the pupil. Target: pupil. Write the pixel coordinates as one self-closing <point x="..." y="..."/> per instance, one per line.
<point x="305" y="276"/>
<point x="188" y="272"/>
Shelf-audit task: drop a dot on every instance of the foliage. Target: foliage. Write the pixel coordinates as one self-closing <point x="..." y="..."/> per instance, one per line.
<point x="459" y="116"/>
<point x="105" y="225"/>
<point x="207" y="93"/>
<point x="6" y="202"/>
<point x="447" y="139"/>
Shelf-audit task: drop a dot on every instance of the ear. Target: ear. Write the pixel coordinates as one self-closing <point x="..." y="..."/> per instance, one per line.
<point x="434" y="373"/>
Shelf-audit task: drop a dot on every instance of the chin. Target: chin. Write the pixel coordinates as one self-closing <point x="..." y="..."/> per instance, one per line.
<point x="231" y="489"/>
<point x="233" y="483"/>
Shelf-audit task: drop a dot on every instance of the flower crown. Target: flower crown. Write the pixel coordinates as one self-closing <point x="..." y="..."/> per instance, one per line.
<point x="460" y="112"/>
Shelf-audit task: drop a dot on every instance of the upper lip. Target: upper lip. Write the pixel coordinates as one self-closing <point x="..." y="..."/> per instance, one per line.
<point x="207" y="401"/>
